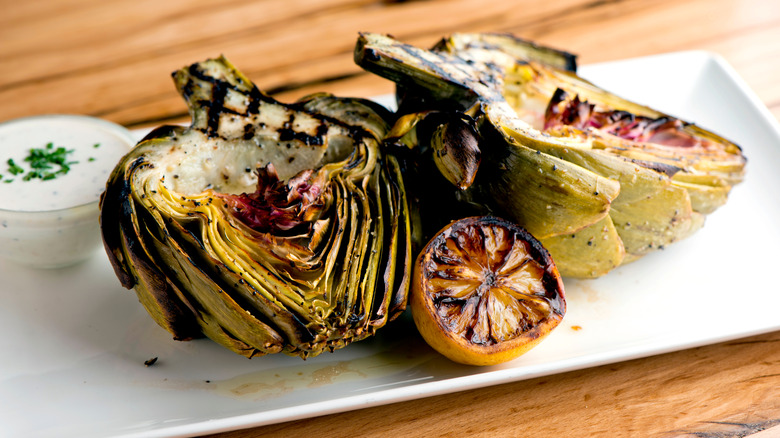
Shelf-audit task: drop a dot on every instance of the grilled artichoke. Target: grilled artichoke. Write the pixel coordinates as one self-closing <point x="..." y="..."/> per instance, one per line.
<point x="600" y="180"/>
<point x="266" y="227"/>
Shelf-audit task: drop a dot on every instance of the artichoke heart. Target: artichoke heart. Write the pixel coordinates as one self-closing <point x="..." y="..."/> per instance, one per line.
<point x="598" y="179"/>
<point x="264" y="226"/>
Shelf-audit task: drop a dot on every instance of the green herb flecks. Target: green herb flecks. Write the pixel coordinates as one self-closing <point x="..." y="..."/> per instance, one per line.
<point x="45" y="163"/>
<point x="14" y="168"/>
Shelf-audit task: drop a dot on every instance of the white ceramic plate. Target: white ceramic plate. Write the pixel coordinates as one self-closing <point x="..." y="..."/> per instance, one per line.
<point x="74" y="342"/>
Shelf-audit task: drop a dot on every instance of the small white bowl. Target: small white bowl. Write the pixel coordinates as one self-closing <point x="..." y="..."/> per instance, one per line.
<point x="54" y="223"/>
<point x="50" y="239"/>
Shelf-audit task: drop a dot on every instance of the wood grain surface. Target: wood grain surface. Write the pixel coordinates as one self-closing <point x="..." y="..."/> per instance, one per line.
<point x="113" y="59"/>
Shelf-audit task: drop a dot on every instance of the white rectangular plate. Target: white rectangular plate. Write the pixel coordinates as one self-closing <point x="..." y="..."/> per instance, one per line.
<point x="74" y="342"/>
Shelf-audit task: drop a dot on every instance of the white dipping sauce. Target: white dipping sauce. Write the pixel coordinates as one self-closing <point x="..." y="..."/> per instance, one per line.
<point x="87" y="177"/>
<point x="53" y="223"/>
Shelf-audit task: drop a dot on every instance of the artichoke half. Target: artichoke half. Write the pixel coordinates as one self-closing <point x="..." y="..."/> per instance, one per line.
<point x="264" y="226"/>
<point x="599" y="180"/>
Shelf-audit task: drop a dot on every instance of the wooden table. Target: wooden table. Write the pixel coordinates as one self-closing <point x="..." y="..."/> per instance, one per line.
<point x="112" y="59"/>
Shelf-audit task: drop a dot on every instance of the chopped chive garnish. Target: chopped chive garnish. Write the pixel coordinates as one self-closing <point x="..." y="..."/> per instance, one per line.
<point x="14" y="168"/>
<point x="97" y="145"/>
<point x="45" y="163"/>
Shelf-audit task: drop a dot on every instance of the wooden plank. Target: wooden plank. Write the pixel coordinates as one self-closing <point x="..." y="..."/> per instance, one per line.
<point x="125" y="74"/>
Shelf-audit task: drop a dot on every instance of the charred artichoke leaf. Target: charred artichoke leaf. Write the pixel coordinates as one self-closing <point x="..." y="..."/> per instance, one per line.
<point x="652" y="175"/>
<point x="517" y="48"/>
<point x="417" y="69"/>
<point x="264" y="226"/>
